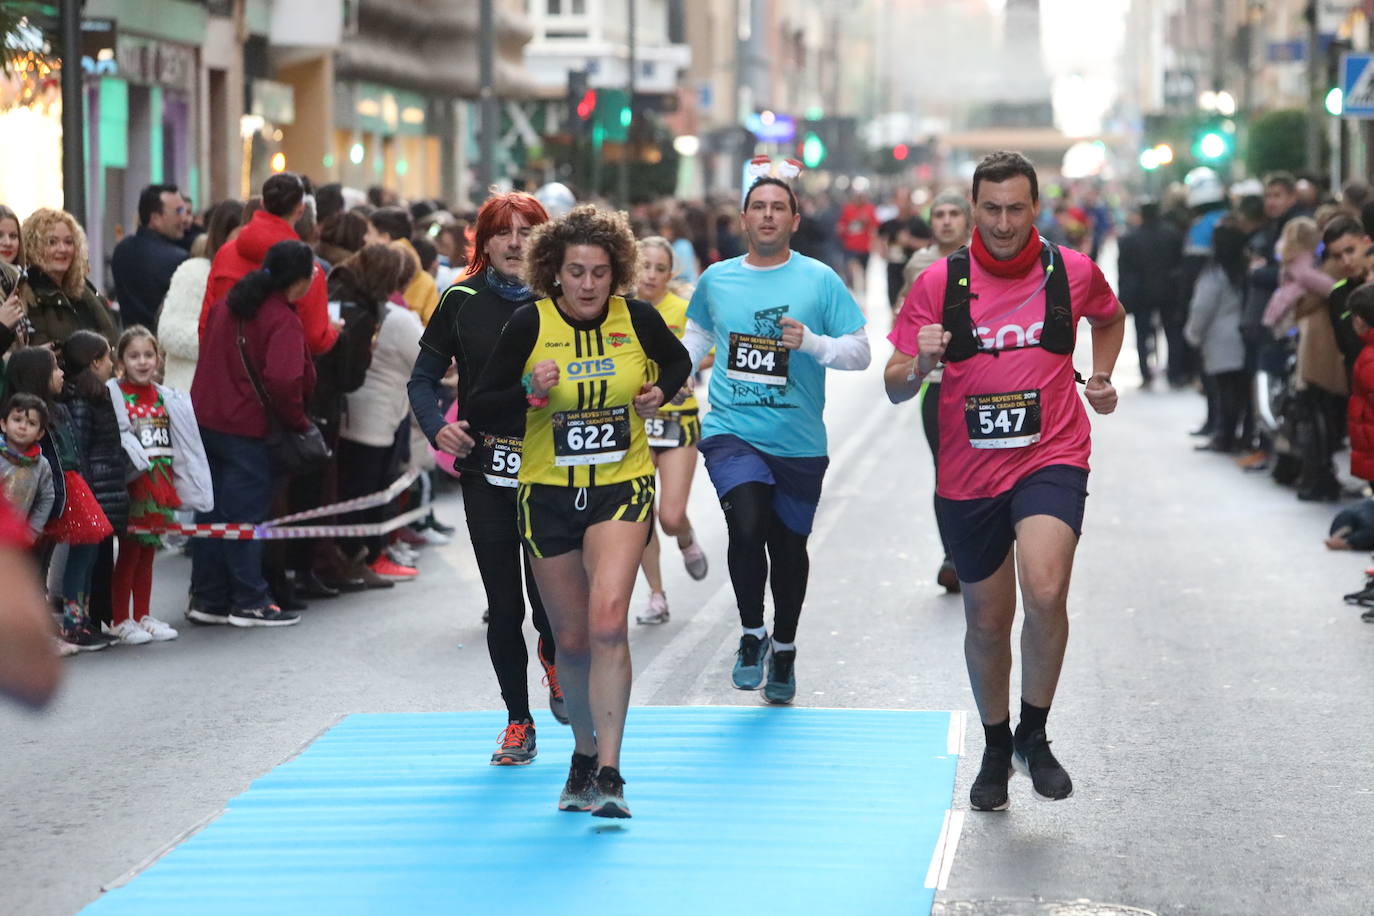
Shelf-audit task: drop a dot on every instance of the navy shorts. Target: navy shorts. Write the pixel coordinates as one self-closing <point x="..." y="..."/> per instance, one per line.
<point x="981" y="531"/>
<point x="796" y="482"/>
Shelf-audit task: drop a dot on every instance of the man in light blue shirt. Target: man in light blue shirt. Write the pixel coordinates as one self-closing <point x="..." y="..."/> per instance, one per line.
<point x="777" y="321"/>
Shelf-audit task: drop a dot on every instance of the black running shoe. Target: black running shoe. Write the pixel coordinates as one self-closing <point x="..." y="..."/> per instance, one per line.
<point x="1032" y="757"/>
<point x="1364" y="596"/>
<point x="579" y="792"/>
<point x="610" y="794"/>
<point x="947" y="578"/>
<point x="989" y="792"/>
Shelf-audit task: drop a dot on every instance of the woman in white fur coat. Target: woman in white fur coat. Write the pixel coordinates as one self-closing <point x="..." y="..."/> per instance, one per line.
<point x="178" y="321"/>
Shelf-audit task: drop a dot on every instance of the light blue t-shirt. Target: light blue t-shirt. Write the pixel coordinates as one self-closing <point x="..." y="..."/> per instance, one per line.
<point x="733" y="298"/>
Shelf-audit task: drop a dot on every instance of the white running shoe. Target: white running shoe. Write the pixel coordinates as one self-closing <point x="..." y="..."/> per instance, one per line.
<point x="433" y="537"/>
<point x="402" y="554"/>
<point x="657" y="611"/>
<point x="694" y="558"/>
<point x="130" y="634"/>
<point x="160" y="631"/>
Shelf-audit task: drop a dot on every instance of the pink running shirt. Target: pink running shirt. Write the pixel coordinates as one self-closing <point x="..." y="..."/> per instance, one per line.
<point x="966" y="472"/>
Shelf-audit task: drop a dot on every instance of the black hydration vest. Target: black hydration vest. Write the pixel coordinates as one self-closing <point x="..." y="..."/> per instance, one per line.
<point x="1057" y="335"/>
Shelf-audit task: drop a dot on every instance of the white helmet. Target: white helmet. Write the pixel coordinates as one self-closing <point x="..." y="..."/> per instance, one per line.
<point x="1247" y="187"/>
<point x="556" y="198"/>
<point x="1204" y="187"/>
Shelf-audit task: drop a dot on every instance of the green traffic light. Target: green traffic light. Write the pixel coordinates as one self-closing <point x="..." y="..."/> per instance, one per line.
<point x="626" y="116"/>
<point x="813" y="151"/>
<point x="1213" y="145"/>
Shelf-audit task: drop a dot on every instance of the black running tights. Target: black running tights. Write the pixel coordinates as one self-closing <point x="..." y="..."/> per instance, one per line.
<point x="500" y="558"/>
<point x="758" y="537"/>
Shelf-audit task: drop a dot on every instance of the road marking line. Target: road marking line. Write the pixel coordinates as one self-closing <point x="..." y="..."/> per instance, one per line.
<point x="958" y="724"/>
<point x="937" y="854"/>
<point x="956" y="828"/>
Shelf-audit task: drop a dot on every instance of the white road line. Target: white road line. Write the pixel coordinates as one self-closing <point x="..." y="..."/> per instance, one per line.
<point x="957" y="724"/>
<point x="956" y="829"/>
<point x="937" y="854"/>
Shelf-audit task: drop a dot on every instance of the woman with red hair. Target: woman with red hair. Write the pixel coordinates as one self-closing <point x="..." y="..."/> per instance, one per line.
<point x="463" y="333"/>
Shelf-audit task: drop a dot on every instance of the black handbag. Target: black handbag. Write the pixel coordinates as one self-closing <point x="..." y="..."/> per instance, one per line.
<point x="290" y="451"/>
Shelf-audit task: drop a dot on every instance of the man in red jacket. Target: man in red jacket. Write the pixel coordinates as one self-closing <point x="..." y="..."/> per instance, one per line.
<point x="283" y="201"/>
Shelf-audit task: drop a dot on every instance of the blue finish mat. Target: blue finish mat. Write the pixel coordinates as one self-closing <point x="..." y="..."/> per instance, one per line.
<point x="736" y="810"/>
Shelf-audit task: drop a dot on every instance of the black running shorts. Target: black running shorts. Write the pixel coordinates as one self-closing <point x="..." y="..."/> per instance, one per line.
<point x="981" y="531"/>
<point x="553" y="519"/>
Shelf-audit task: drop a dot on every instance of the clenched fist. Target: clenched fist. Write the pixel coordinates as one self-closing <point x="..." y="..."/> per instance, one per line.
<point x="793" y="332"/>
<point x="543" y="378"/>
<point x="648" y="401"/>
<point x="1100" y="393"/>
<point x="931" y="342"/>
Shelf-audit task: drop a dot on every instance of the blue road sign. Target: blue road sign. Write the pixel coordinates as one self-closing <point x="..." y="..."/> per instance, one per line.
<point x="1357" y="85"/>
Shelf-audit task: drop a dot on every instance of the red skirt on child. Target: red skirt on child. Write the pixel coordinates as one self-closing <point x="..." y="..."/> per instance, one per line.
<point x="82" y="520"/>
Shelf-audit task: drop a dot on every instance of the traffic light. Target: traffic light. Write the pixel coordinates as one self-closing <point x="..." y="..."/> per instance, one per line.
<point x="1215" y="141"/>
<point x="812" y="150"/>
<point x="900" y="152"/>
<point x="586" y="106"/>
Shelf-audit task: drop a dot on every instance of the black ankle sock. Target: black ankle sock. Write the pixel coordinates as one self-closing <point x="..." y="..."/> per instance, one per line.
<point x="1032" y="720"/>
<point x="998" y="735"/>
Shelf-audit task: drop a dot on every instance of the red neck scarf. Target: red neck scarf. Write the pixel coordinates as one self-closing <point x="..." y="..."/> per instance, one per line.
<point x="1017" y="266"/>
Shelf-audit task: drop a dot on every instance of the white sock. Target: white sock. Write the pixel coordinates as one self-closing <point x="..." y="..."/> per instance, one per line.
<point x="756" y="632"/>
<point x="784" y="646"/>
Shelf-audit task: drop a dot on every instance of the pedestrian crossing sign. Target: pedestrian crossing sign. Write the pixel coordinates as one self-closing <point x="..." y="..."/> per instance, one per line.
<point x="1357" y="85"/>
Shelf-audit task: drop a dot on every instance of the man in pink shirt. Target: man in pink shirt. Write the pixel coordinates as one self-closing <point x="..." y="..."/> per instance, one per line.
<point x="1014" y="448"/>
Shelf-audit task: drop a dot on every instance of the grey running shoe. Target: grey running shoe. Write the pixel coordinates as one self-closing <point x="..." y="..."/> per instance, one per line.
<point x="517" y="745"/>
<point x="610" y="794"/>
<point x="657" y="612"/>
<point x="694" y="558"/>
<point x="557" y="705"/>
<point x="1033" y="758"/>
<point x="579" y="792"/>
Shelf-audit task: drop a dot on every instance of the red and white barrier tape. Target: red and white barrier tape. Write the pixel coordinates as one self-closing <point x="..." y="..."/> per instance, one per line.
<point x="277" y="529"/>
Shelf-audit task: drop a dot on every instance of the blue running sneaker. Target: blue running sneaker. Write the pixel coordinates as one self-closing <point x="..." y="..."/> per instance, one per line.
<point x="748" y="674"/>
<point x="782" y="677"/>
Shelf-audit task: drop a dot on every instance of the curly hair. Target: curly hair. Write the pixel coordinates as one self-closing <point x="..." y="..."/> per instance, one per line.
<point x="36" y="229"/>
<point x="584" y="225"/>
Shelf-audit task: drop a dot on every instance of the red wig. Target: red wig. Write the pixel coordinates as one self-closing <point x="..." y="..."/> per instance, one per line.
<point x="496" y="214"/>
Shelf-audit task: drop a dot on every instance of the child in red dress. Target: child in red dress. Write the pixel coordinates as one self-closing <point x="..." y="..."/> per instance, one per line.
<point x="162" y="443"/>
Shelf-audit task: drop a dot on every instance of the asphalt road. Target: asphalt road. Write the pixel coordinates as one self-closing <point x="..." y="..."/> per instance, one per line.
<point x="1213" y="709"/>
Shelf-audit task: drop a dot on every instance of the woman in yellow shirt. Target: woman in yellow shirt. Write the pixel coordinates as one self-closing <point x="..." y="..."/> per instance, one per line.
<point x="590" y="366"/>
<point x="673" y="435"/>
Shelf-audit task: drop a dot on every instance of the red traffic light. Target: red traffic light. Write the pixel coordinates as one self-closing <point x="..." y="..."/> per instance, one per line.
<point x="900" y="152"/>
<point x="587" y="105"/>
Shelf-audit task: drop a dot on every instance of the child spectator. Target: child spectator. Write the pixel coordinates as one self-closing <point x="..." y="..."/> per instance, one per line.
<point x="1299" y="275"/>
<point x="87" y="364"/>
<point x="27" y="478"/>
<point x="76" y="520"/>
<point x="162" y="442"/>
